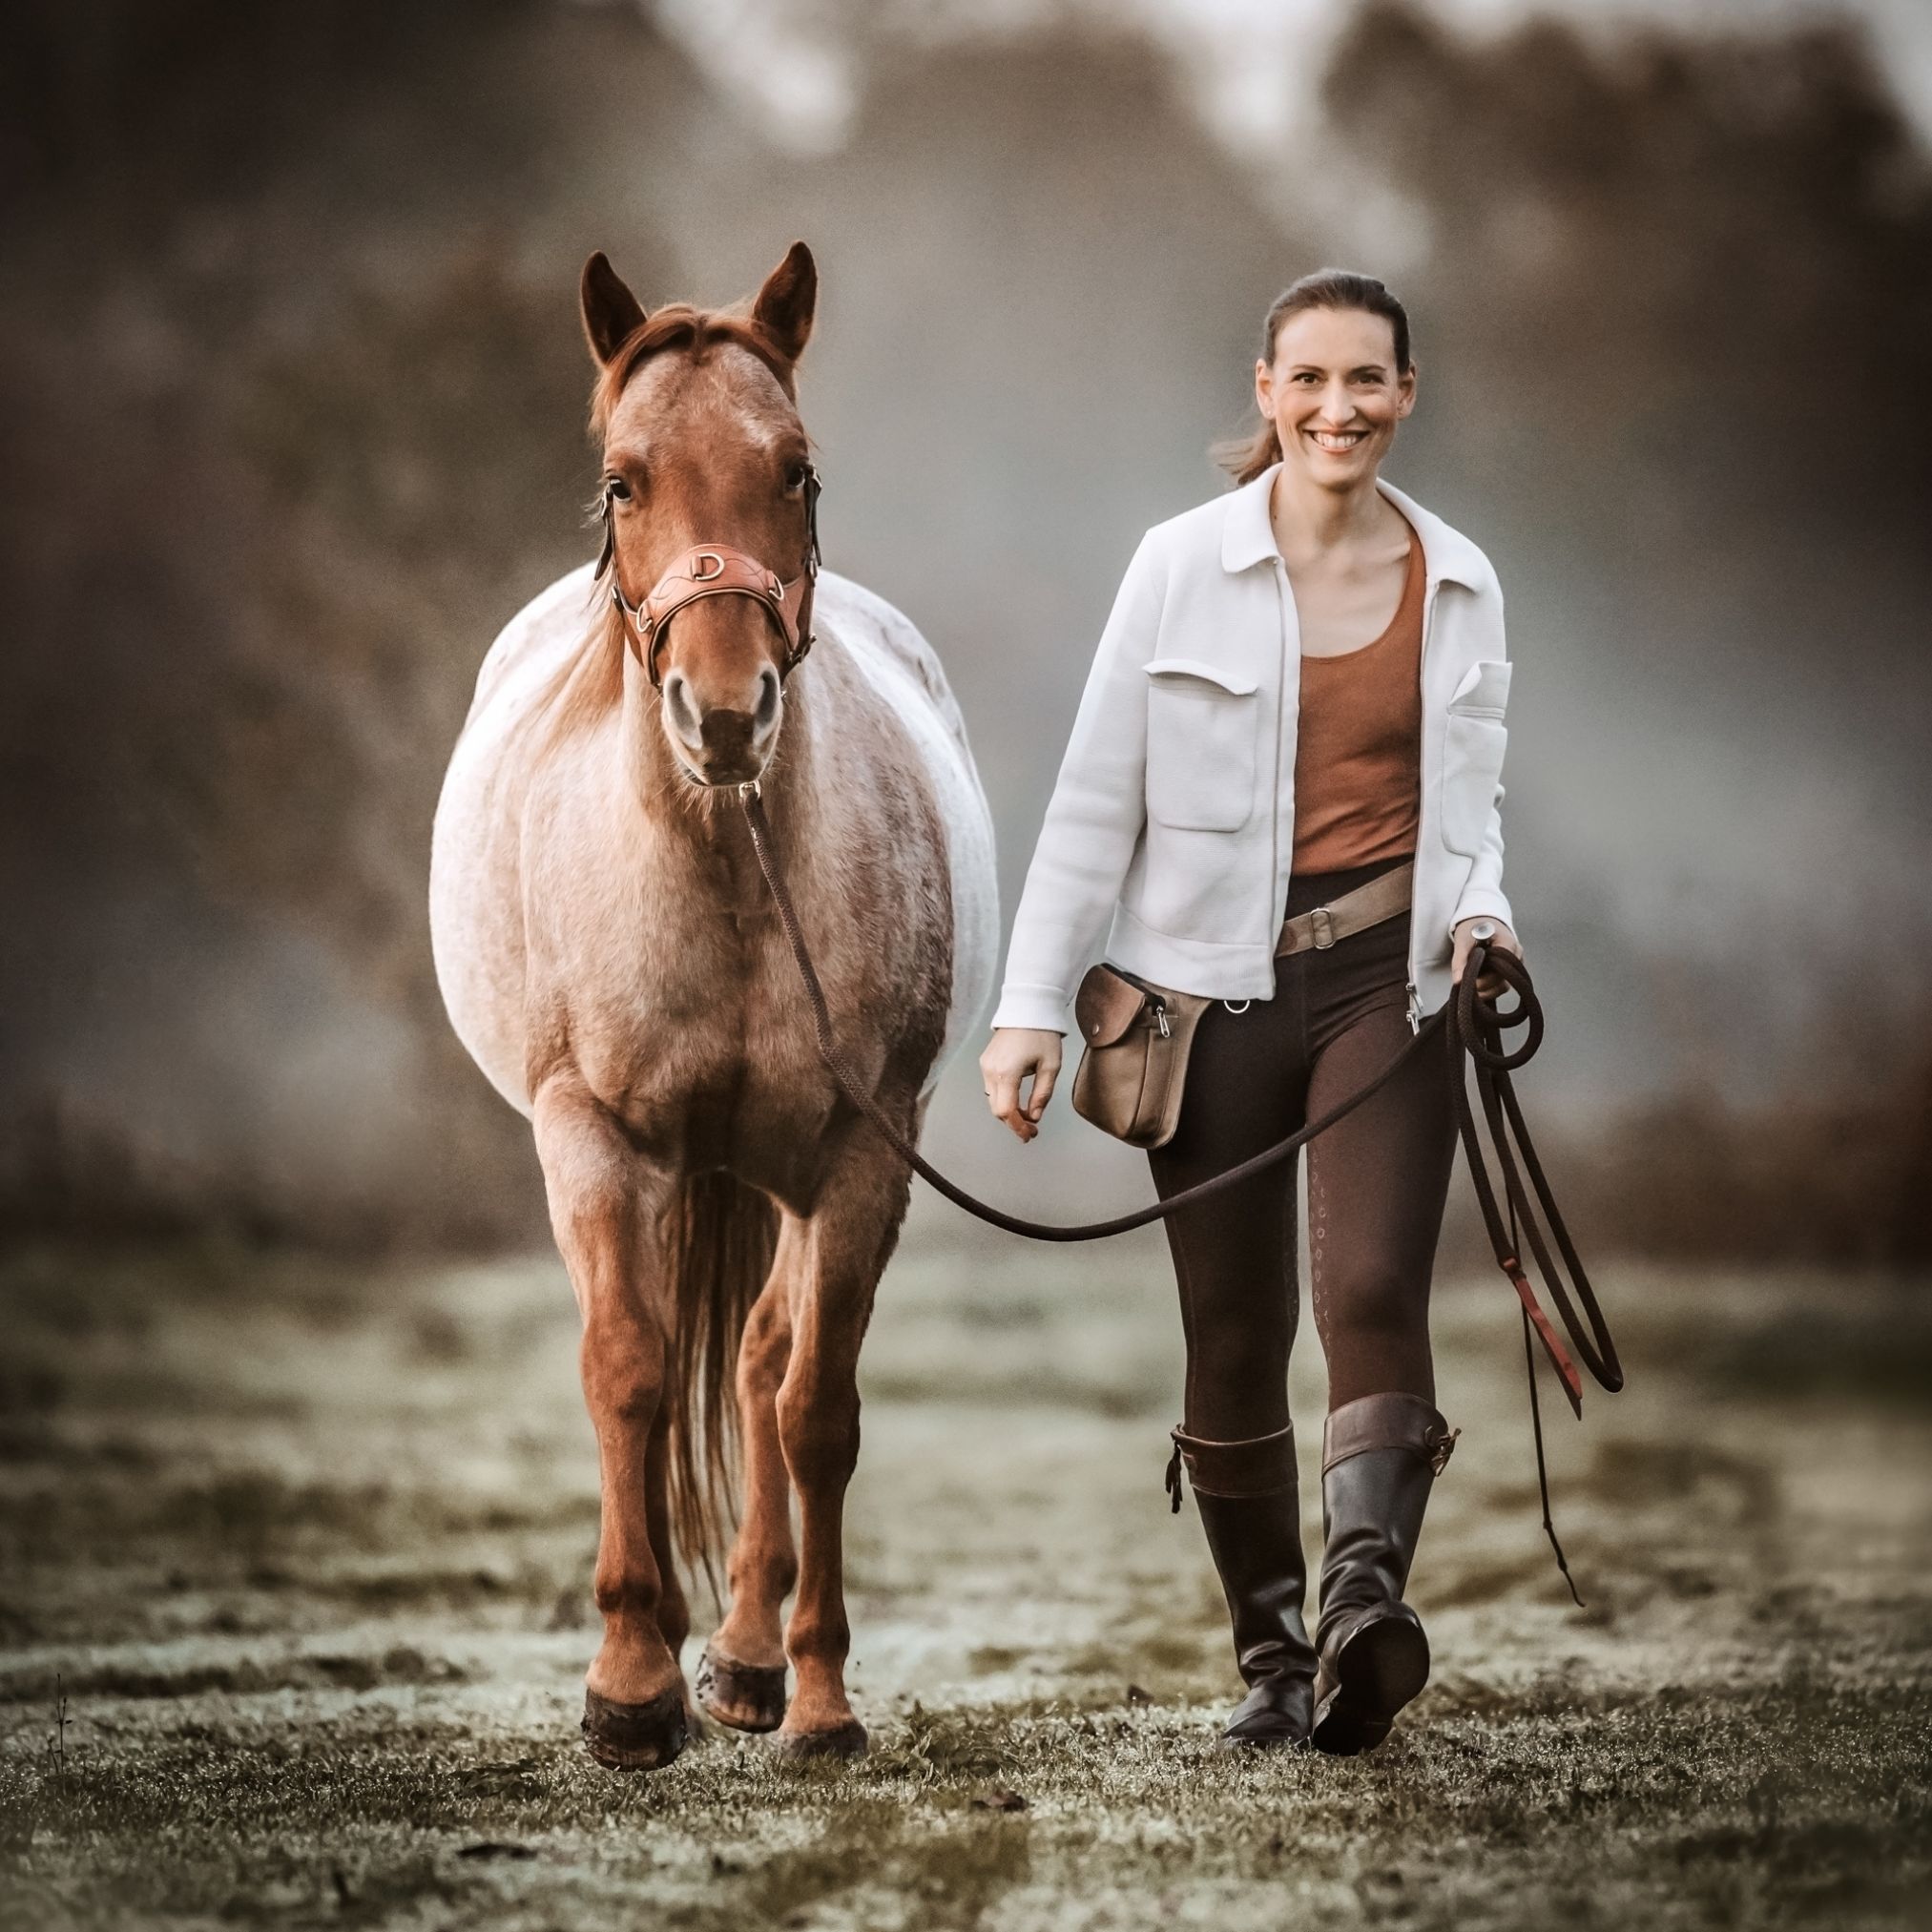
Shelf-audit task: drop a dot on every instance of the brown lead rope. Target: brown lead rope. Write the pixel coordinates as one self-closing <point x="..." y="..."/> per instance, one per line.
<point x="1473" y="1027"/>
<point x="1014" y="1224"/>
<point x="1476" y="1034"/>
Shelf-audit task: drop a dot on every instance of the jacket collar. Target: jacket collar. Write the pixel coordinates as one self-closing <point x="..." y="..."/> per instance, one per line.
<point x="1248" y="537"/>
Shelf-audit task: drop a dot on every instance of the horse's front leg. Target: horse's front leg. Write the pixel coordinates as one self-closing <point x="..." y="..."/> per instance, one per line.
<point x="853" y="1228"/>
<point x="742" y="1677"/>
<point x="673" y="1607"/>
<point x="603" y="1205"/>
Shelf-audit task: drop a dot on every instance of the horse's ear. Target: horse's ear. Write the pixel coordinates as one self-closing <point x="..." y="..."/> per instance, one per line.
<point x="787" y="301"/>
<point x="612" y="313"/>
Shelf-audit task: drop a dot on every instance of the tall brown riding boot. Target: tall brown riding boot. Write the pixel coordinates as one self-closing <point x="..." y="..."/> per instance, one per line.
<point x="1250" y="1508"/>
<point x="1381" y="1455"/>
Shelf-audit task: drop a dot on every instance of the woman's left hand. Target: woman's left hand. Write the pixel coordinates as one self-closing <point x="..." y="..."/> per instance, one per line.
<point x="1502" y="940"/>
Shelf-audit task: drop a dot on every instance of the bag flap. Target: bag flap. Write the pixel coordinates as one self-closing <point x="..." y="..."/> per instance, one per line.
<point x="1106" y="1005"/>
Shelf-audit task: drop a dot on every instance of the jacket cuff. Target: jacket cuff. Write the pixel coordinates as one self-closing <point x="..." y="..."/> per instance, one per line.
<point x="1043" y="1008"/>
<point x="1482" y="901"/>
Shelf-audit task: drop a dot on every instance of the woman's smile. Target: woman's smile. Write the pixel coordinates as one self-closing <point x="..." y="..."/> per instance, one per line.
<point x="1336" y="439"/>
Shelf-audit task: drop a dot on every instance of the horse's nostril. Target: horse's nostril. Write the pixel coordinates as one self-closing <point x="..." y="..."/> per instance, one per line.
<point x="766" y="714"/>
<point x="681" y="711"/>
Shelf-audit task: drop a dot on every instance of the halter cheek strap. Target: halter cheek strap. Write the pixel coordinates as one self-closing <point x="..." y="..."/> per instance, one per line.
<point x="721" y="571"/>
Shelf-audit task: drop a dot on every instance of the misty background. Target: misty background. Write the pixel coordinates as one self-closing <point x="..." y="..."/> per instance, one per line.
<point x="292" y="406"/>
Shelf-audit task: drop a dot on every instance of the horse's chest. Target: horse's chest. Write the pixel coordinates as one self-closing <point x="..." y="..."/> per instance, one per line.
<point x="703" y="1047"/>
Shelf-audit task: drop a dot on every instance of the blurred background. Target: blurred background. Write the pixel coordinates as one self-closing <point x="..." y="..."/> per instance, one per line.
<point x="292" y="409"/>
<point x="298" y="1496"/>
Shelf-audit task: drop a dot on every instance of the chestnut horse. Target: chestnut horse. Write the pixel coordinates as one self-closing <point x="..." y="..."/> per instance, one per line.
<point x="609" y="956"/>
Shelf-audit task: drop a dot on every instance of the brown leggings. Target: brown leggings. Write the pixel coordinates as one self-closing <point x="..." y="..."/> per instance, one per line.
<point x="1377" y="1180"/>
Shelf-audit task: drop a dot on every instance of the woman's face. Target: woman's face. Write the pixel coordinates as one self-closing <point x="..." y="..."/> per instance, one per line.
<point x="1333" y="393"/>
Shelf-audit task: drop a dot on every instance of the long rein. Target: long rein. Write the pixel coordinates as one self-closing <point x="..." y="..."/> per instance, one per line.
<point x="1473" y="1025"/>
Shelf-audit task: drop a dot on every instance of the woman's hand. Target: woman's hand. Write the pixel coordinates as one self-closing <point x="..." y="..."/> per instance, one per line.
<point x="1490" y="985"/>
<point x="1012" y="1054"/>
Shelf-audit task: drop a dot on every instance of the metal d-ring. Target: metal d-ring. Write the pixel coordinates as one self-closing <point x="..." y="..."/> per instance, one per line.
<point x="1233" y="1009"/>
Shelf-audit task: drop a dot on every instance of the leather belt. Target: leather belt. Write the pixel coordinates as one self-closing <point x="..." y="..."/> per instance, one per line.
<point x="1384" y="896"/>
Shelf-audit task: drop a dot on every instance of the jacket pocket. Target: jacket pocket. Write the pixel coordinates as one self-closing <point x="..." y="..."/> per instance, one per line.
<point x="1473" y="742"/>
<point x="1202" y="725"/>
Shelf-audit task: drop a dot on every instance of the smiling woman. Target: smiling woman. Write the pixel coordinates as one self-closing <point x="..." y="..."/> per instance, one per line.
<point x="1379" y="388"/>
<point x="1284" y="780"/>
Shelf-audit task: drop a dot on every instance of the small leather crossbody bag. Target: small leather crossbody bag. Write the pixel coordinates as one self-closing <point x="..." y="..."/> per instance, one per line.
<point x="1138" y="1038"/>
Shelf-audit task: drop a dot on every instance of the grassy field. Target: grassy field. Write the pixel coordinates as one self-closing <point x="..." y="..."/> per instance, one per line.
<point x="294" y="1608"/>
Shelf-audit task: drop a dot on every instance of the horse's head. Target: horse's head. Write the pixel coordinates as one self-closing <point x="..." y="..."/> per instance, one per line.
<point x="709" y="496"/>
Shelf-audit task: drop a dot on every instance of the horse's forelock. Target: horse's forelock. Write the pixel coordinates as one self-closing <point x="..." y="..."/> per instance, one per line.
<point x="679" y="326"/>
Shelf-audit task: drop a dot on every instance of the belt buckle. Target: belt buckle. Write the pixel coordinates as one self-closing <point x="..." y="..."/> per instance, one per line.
<point x="1321" y="927"/>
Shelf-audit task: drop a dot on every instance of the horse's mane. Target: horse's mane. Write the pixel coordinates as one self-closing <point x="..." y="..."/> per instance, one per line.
<point x="591" y="682"/>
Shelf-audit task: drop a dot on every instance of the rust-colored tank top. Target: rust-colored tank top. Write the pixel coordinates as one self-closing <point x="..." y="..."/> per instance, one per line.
<point x="1359" y="745"/>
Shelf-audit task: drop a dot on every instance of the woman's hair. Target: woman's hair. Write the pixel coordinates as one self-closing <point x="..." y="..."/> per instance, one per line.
<point x="1246" y="456"/>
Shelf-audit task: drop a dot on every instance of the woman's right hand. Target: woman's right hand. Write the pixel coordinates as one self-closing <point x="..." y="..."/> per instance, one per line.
<point x="1012" y="1054"/>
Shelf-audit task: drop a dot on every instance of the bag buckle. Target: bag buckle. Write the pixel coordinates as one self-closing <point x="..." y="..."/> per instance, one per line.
<point x="1322" y="927"/>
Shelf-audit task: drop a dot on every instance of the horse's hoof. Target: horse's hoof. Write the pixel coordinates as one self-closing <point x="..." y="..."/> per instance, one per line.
<point x="847" y="1740"/>
<point x="636" y="1736"/>
<point x="746" y="1696"/>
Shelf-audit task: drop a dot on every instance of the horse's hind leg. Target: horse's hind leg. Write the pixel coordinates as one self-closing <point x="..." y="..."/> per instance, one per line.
<point x="602" y="1211"/>
<point x="854" y="1227"/>
<point x="741" y="1679"/>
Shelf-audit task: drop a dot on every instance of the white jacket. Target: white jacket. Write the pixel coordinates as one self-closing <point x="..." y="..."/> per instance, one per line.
<point x="1174" y="807"/>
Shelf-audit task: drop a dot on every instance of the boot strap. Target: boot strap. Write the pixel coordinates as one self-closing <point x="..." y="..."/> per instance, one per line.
<point x="1257" y="1466"/>
<point x="1393" y="1420"/>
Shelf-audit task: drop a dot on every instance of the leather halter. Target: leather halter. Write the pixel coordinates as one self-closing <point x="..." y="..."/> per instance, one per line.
<point x="719" y="570"/>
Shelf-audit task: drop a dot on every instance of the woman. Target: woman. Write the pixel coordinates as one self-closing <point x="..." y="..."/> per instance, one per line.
<point x="1283" y="780"/>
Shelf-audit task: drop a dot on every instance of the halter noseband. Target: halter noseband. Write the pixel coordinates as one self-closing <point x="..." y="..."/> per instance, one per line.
<point x="719" y="570"/>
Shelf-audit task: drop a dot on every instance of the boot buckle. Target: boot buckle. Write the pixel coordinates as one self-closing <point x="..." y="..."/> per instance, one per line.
<point x="1440" y="1450"/>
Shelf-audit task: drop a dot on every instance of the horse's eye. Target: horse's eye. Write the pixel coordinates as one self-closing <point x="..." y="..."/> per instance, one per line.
<point x="616" y="490"/>
<point x="796" y="474"/>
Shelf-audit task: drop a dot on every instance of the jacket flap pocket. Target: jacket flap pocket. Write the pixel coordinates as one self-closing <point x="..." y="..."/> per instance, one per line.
<point x="1106" y="1005"/>
<point x="1234" y="681"/>
<point x="1484" y="687"/>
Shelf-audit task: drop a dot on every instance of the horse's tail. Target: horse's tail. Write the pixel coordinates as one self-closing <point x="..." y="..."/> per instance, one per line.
<point x="722" y="1235"/>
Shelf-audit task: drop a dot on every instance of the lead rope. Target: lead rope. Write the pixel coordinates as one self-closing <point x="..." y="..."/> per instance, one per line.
<point x="1477" y="1035"/>
<point x="1536" y="1435"/>
<point x="1473" y="1027"/>
<point x="1014" y="1224"/>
